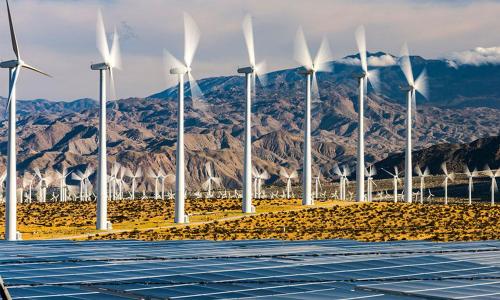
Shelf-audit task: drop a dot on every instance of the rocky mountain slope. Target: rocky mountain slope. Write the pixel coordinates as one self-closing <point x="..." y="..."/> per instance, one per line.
<point x="142" y="132"/>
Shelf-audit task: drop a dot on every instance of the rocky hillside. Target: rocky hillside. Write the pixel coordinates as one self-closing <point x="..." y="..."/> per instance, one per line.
<point x="143" y="131"/>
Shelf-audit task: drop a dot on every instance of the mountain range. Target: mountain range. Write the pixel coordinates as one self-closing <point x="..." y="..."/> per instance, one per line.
<point x="463" y="106"/>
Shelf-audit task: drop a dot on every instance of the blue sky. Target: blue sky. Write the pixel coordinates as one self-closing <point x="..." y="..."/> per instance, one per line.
<point x="59" y="36"/>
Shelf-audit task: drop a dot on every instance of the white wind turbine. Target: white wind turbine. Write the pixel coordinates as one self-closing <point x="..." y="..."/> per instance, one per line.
<point x="494" y="186"/>
<point x="207" y="185"/>
<point x="113" y="180"/>
<point x="470" y="176"/>
<point x="370" y="172"/>
<point x="134" y="177"/>
<point x="43" y="184"/>
<point x="288" y="179"/>
<point x="259" y="179"/>
<point x="311" y="67"/>
<point x="156" y="177"/>
<point x="448" y="177"/>
<point x="191" y="39"/>
<point x="14" y="67"/>
<point x="111" y="61"/>
<point x="317" y="185"/>
<point x="343" y="180"/>
<point x="395" y="179"/>
<point x="363" y="78"/>
<point x="2" y="180"/>
<point x="61" y="177"/>
<point x="78" y="176"/>
<point x="27" y="183"/>
<point x="419" y="85"/>
<point x="87" y="186"/>
<point x="251" y="72"/>
<point x="422" y="174"/>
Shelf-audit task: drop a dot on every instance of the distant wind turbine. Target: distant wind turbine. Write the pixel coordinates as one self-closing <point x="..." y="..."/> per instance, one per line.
<point x="370" y="172"/>
<point x="363" y="78"/>
<point x="311" y="67"/>
<point x="191" y="39"/>
<point x="111" y="61"/>
<point x="422" y="175"/>
<point x="288" y="179"/>
<point x="207" y="185"/>
<point x="395" y="179"/>
<point x="419" y="85"/>
<point x="470" y="176"/>
<point x="14" y="67"/>
<point x="251" y="72"/>
<point x="494" y="186"/>
<point x="134" y="177"/>
<point x="448" y="177"/>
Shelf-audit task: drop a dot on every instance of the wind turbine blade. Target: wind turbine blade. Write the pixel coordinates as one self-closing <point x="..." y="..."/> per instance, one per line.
<point x="374" y="79"/>
<point x="171" y="61"/>
<point x="260" y="71"/>
<point x="444" y="168"/>
<point x="421" y="84"/>
<point x="418" y="170"/>
<point x="112" y="87"/>
<point x="315" y="89"/>
<point x="488" y="171"/>
<point x="138" y="173"/>
<point x="101" y="40"/>
<point x="283" y="173"/>
<point x="208" y="168"/>
<point x="248" y="33"/>
<point x="35" y="69"/>
<point x="497" y="173"/>
<point x="115" y="57"/>
<point x="302" y="54"/>
<point x="323" y="57"/>
<point x="427" y="171"/>
<point x="414" y="107"/>
<point x="15" y="47"/>
<point x="191" y="39"/>
<point x="467" y="171"/>
<point x="405" y="64"/>
<point x="196" y="94"/>
<point x="361" y="42"/>
<point x="294" y="174"/>
<point x="12" y="85"/>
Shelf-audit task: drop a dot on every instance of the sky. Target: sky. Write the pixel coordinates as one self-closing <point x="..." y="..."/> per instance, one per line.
<point x="58" y="36"/>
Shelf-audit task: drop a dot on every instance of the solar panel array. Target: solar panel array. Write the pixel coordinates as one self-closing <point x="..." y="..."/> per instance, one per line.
<point x="262" y="269"/>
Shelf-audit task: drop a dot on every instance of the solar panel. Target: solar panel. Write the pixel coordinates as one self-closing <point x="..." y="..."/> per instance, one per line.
<point x="262" y="269"/>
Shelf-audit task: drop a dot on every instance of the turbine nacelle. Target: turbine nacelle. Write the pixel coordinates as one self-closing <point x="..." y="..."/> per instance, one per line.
<point x="307" y="71"/>
<point x="246" y="70"/>
<point x="180" y="70"/>
<point x="10" y="64"/>
<point x="100" y="66"/>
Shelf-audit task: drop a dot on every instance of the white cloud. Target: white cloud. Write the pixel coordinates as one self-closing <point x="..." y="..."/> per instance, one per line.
<point x="385" y="60"/>
<point x="476" y="57"/>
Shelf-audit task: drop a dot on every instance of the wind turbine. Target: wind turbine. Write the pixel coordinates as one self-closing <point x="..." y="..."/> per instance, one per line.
<point x="317" y="185"/>
<point x="191" y="39"/>
<point x="78" y="175"/>
<point x="251" y="72"/>
<point x="27" y="183"/>
<point x="422" y="176"/>
<point x="470" y="176"/>
<point x="363" y="78"/>
<point x="43" y="185"/>
<point x="414" y="86"/>
<point x="111" y="61"/>
<point x="448" y="176"/>
<point x="2" y="180"/>
<point x="372" y="171"/>
<point x="134" y="176"/>
<point x="343" y="180"/>
<point x="156" y="177"/>
<point x="14" y="66"/>
<point x="288" y="177"/>
<point x="395" y="179"/>
<point x="310" y="68"/>
<point x="61" y="176"/>
<point x="86" y="183"/>
<point x="207" y="185"/>
<point x="259" y="179"/>
<point x="494" y="186"/>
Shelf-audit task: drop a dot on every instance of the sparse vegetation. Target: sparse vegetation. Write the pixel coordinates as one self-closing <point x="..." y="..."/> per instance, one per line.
<point x="280" y="219"/>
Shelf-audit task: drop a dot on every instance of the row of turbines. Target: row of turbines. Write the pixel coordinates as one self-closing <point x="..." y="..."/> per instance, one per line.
<point x="183" y="69"/>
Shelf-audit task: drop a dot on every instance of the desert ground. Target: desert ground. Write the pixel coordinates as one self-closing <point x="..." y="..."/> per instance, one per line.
<point x="221" y="219"/>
